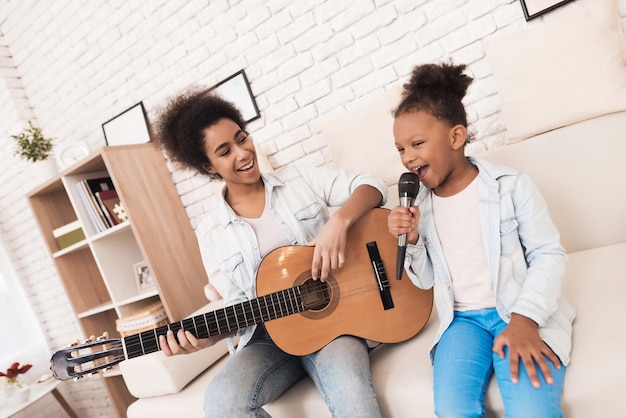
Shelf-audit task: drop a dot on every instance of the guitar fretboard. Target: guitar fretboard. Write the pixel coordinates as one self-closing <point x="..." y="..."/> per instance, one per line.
<point x="255" y="311"/>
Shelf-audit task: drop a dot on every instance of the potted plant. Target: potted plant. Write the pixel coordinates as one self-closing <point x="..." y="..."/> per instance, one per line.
<point x="12" y="389"/>
<point x="33" y="146"/>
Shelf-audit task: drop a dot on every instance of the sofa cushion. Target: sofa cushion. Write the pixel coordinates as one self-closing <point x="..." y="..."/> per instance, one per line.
<point x="169" y="374"/>
<point x="186" y="403"/>
<point x="565" y="69"/>
<point x="362" y="138"/>
<point x="595" y="284"/>
<point x="579" y="178"/>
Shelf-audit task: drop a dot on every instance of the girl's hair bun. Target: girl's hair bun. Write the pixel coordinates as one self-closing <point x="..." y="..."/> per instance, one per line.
<point x="437" y="89"/>
<point x="433" y="80"/>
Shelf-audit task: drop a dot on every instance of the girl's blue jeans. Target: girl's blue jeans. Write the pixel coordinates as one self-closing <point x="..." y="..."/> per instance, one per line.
<point x="464" y="363"/>
<point x="261" y="372"/>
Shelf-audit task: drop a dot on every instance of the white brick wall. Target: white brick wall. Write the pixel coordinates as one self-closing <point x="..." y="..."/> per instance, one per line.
<point x="74" y="64"/>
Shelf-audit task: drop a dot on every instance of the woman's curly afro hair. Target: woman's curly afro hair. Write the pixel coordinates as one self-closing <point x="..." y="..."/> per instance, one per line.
<point x="437" y="89"/>
<point x="181" y="123"/>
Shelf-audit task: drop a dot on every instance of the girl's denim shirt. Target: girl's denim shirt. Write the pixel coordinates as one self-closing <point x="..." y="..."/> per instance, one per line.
<point x="522" y="244"/>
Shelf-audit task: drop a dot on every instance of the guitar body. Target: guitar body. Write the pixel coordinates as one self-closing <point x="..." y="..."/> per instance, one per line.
<point x="352" y="303"/>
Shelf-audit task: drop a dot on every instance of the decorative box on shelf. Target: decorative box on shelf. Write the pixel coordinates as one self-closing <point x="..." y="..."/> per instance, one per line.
<point x="151" y="316"/>
<point x="69" y="234"/>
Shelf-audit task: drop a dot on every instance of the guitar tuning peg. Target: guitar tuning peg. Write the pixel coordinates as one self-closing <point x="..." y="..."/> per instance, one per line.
<point x="75" y="343"/>
<point x="77" y="378"/>
<point x="104" y="336"/>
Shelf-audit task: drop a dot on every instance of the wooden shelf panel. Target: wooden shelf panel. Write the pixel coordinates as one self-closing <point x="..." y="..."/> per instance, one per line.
<point x="171" y="249"/>
<point x="82" y="280"/>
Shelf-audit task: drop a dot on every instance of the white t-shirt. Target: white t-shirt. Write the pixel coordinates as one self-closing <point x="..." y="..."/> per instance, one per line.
<point x="457" y="220"/>
<point x="267" y="231"/>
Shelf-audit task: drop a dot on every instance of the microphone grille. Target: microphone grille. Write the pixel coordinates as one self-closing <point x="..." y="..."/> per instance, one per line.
<point x="408" y="185"/>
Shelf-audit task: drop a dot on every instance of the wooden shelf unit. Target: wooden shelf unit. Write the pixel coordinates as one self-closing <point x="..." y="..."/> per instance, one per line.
<point x="97" y="273"/>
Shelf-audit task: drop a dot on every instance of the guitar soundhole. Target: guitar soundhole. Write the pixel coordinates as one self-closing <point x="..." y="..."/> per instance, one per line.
<point x="320" y="298"/>
<point x="315" y="294"/>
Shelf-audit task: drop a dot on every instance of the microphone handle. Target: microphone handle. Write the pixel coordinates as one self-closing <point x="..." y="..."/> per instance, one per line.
<point x="400" y="258"/>
<point x="405" y="201"/>
<point x="402" y="240"/>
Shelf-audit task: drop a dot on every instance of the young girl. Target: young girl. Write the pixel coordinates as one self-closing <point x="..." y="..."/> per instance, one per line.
<point x="482" y="236"/>
<point x="256" y="214"/>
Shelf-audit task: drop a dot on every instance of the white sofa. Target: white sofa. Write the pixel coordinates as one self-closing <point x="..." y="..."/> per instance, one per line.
<point x="580" y="169"/>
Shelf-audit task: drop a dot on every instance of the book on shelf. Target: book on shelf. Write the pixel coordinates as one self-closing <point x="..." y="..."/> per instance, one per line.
<point x="83" y="194"/>
<point x="110" y="204"/>
<point x="98" y="214"/>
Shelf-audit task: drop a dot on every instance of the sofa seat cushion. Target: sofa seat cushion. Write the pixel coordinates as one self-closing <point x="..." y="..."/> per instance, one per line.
<point x="595" y="284"/>
<point x="186" y="403"/>
<point x="403" y="379"/>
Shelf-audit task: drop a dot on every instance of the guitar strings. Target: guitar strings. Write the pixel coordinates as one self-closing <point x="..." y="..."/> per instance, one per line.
<point x="89" y="367"/>
<point x="231" y="317"/>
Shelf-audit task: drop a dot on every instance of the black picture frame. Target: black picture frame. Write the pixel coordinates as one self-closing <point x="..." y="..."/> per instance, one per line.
<point x="536" y="8"/>
<point x="129" y="127"/>
<point x="236" y="89"/>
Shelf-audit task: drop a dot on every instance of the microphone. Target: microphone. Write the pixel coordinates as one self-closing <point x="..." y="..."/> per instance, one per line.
<point x="408" y="186"/>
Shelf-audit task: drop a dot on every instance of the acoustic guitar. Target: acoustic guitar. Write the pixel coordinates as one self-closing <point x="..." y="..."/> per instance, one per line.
<point x="301" y="315"/>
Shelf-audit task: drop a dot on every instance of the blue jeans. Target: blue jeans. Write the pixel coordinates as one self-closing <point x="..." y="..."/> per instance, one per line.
<point x="261" y="372"/>
<point x="464" y="364"/>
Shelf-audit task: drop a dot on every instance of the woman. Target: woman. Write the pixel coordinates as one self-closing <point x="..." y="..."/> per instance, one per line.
<point x="256" y="214"/>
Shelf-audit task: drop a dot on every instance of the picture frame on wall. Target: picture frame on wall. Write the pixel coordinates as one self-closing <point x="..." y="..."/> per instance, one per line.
<point x="129" y="127"/>
<point x="143" y="277"/>
<point x="536" y="8"/>
<point x="236" y="89"/>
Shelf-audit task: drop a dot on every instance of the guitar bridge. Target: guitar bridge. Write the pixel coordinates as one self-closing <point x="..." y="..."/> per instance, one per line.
<point x="380" y="274"/>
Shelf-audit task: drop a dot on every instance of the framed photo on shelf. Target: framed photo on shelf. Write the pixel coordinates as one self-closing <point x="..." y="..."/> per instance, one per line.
<point x="129" y="127"/>
<point x="143" y="277"/>
<point x="535" y="8"/>
<point x="236" y="90"/>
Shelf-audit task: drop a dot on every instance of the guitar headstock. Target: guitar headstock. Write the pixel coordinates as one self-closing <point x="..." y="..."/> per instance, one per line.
<point x="90" y="357"/>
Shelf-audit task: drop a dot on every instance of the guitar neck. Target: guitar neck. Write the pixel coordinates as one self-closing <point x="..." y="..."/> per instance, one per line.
<point x="262" y="309"/>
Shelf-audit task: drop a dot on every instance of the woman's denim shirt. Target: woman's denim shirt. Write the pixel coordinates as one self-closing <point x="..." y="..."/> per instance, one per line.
<point x="299" y="199"/>
<point x="522" y="244"/>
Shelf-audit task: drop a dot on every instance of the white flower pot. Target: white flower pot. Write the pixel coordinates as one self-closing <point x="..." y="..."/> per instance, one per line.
<point x="45" y="170"/>
<point x="14" y="395"/>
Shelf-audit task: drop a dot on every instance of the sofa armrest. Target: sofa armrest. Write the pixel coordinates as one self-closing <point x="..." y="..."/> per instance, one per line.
<point x="155" y="374"/>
